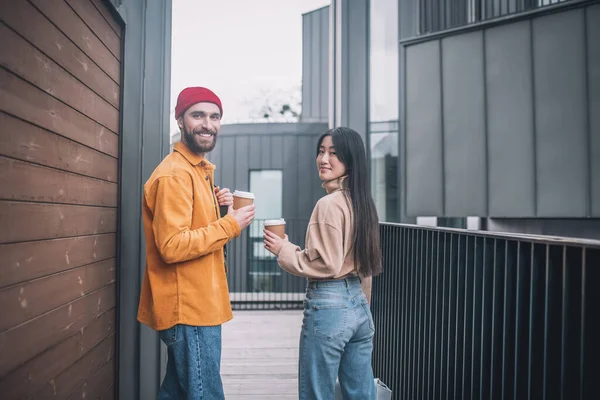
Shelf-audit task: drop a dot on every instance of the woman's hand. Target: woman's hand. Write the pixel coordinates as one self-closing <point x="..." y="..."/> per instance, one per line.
<point x="224" y="196"/>
<point x="274" y="243"/>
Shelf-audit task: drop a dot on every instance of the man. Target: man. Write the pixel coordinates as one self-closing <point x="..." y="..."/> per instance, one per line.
<point x="184" y="293"/>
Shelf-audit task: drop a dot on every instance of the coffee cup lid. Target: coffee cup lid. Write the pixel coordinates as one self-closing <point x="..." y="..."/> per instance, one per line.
<point x="244" y="195"/>
<point x="274" y="222"/>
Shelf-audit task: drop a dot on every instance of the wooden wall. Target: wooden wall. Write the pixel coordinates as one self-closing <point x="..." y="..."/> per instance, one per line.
<point x="59" y="147"/>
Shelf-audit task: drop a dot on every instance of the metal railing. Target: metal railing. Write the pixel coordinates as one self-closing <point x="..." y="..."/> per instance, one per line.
<point x="254" y="278"/>
<point x="440" y="15"/>
<point x="472" y="315"/>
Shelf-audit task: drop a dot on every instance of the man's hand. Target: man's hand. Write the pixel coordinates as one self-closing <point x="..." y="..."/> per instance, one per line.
<point x="243" y="216"/>
<point x="224" y="196"/>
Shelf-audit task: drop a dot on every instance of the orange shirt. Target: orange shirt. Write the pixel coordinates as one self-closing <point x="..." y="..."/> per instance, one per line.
<point x="185" y="279"/>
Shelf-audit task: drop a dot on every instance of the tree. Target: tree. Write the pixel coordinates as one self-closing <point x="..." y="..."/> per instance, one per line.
<point x="277" y="105"/>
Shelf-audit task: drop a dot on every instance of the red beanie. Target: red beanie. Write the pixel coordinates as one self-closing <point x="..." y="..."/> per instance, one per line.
<point x="193" y="95"/>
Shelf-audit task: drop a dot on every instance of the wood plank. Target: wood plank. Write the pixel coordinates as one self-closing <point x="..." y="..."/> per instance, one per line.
<point x="77" y="374"/>
<point x="31" y="260"/>
<point x="29" y="221"/>
<point x="29" y="103"/>
<point x="20" y="57"/>
<point x="21" y="344"/>
<point x="33" y="26"/>
<point x="29" y="182"/>
<point x="260" y="355"/>
<point x="32" y="376"/>
<point x="96" y="22"/>
<point x="21" y="303"/>
<point x="108" y="16"/>
<point x="61" y="15"/>
<point x="94" y="387"/>
<point x="27" y="142"/>
<point x="108" y="394"/>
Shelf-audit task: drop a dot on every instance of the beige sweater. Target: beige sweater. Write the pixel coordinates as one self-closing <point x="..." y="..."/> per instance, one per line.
<point x="328" y="253"/>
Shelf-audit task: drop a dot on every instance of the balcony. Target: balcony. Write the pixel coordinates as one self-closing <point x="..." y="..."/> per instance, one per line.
<point x="471" y="315"/>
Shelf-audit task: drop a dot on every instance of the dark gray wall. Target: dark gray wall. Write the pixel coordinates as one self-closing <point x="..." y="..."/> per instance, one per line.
<point x="504" y="121"/>
<point x="349" y="104"/>
<point x="144" y="143"/>
<point x="315" y="66"/>
<point x="287" y="147"/>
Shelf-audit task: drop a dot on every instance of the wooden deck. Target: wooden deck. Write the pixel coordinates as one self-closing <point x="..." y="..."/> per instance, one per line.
<point x="260" y="355"/>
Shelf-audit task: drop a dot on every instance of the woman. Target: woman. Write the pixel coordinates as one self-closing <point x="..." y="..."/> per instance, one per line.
<point x="342" y="254"/>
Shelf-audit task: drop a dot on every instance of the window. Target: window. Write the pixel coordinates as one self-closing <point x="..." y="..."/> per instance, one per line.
<point x="267" y="186"/>
<point x="264" y="275"/>
<point x="384" y="108"/>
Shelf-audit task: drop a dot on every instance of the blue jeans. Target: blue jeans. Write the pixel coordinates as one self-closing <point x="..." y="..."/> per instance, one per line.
<point x="336" y="341"/>
<point x="194" y="365"/>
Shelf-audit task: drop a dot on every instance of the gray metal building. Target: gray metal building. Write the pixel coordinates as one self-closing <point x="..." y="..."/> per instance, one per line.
<point x="275" y="161"/>
<point x="484" y="109"/>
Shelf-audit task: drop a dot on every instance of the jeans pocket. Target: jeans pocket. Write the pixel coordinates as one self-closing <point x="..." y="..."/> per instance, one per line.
<point x="330" y="320"/>
<point x="169" y="336"/>
<point x="367" y="309"/>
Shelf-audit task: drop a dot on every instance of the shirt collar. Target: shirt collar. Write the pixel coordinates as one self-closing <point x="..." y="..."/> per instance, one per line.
<point x="335" y="184"/>
<point x="191" y="157"/>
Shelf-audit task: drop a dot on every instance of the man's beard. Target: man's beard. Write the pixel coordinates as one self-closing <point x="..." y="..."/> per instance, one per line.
<point x="190" y="141"/>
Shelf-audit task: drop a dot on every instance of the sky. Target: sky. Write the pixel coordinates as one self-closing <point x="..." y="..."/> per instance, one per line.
<point x="239" y="49"/>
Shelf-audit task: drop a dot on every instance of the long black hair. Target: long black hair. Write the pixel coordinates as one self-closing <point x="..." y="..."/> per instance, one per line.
<point x="350" y="150"/>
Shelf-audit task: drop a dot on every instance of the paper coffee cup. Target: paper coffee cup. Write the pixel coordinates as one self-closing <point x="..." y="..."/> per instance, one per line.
<point x="242" y="199"/>
<point x="277" y="226"/>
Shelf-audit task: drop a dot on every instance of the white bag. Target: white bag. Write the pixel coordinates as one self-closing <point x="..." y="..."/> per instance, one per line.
<point x="381" y="390"/>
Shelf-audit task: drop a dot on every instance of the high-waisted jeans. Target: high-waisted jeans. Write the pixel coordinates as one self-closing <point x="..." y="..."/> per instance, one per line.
<point x="336" y="341"/>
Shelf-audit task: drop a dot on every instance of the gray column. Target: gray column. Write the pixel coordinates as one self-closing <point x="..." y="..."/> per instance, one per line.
<point x="144" y="142"/>
<point x="349" y="65"/>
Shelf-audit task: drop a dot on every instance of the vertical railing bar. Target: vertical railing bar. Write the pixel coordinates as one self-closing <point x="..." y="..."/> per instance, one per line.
<point x="444" y="318"/>
<point x="404" y="311"/>
<point x="563" y="352"/>
<point x="411" y="314"/>
<point x="435" y="341"/>
<point x="450" y="304"/>
<point x="517" y="321"/>
<point x="398" y="315"/>
<point x="582" y="337"/>
<point x="493" y="338"/>
<point x="531" y="301"/>
<point x="464" y="356"/>
<point x="426" y="315"/>
<point x="394" y="254"/>
<point x="458" y="291"/>
<point x="473" y="328"/>
<point x="431" y="316"/>
<point x="483" y="292"/>
<point x="406" y="332"/>
<point x="505" y="320"/>
<point x="420" y="325"/>
<point x="546" y="322"/>
<point x="416" y="308"/>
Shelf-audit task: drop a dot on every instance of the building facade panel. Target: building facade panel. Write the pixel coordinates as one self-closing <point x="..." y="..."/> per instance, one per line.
<point x="592" y="24"/>
<point x="315" y="66"/>
<point x="464" y="127"/>
<point x="510" y="140"/>
<point x="561" y="129"/>
<point x="538" y="119"/>
<point x="424" y="144"/>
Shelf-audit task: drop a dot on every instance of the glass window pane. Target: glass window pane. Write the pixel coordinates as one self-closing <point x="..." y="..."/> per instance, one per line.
<point x="267" y="186"/>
